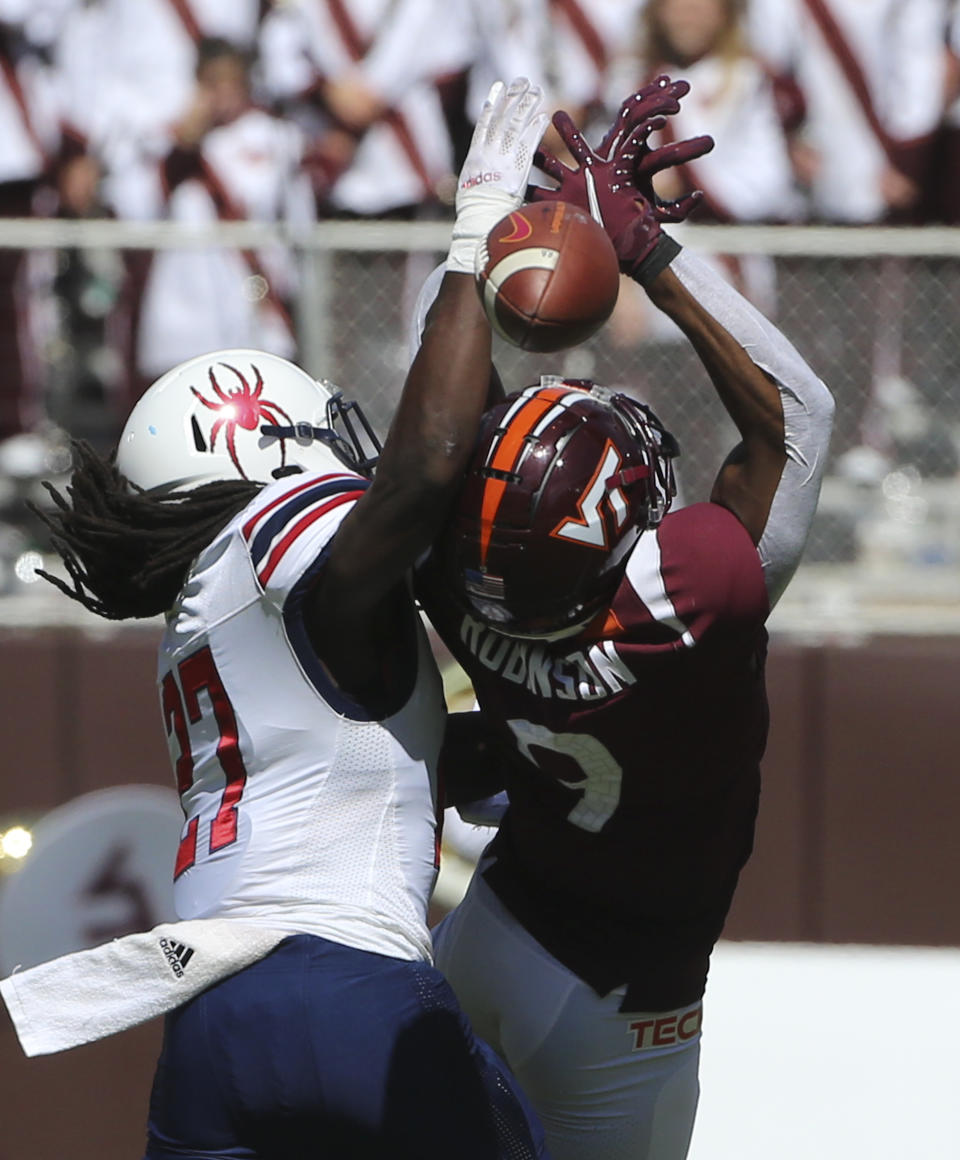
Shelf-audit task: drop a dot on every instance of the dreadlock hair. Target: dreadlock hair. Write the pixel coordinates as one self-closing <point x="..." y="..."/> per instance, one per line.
<point x="128" y="552"/>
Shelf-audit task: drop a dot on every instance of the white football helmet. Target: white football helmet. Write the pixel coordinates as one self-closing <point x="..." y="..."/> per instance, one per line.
<point x="240" y="415"/>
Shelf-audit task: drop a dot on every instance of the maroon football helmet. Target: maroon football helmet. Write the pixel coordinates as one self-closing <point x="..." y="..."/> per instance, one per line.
<point x="564" y="478"/>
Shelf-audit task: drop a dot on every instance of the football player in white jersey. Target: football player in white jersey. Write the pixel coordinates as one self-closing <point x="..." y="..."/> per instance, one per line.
<point x="304" y="715"/>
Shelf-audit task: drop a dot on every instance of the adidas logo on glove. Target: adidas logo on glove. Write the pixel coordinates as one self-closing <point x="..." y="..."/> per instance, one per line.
<point x="481" y="179"/>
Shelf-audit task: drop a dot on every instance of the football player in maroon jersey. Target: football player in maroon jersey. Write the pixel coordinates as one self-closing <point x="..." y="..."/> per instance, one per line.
<point x="616" y="648"/>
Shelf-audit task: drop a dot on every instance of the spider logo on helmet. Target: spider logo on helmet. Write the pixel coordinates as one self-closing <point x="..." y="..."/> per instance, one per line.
<point x="241" y="406"/>
<point x="241" y="415"/>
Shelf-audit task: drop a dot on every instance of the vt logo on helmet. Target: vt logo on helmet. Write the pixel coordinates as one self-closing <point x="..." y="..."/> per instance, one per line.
<point x="564" y="479"/>
<point x="241" y="415"/>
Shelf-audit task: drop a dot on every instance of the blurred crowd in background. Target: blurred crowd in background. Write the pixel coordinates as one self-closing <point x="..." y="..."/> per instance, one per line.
<point x="299" y="111"/>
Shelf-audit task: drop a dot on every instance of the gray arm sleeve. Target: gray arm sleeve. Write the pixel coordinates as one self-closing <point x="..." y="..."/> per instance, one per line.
<point x="425" y="299"/>
<point x="807" y="415"/>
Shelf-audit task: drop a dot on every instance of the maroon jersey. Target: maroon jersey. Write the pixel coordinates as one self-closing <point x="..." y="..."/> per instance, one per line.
<point x="631" y="755"/>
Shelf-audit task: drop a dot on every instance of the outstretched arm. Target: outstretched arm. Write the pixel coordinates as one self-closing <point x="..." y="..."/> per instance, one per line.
<point x="783" y="411"/>
<point x="430" y="437"/>
<point x="771" y="480"/>
<point x="443" y="398"/>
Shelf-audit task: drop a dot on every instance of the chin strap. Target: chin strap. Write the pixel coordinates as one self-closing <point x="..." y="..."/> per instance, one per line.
<point x="628" y="477"/>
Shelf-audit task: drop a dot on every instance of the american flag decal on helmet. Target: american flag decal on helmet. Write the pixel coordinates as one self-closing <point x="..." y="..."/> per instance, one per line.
<point x="483" y="584"/>
<point x="273" y="530"/>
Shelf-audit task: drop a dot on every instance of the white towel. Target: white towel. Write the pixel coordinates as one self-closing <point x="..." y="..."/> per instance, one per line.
<point x="90" y="994"/>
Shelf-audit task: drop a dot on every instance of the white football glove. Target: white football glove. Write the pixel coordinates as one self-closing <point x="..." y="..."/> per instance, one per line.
<point x="494" y="177"/>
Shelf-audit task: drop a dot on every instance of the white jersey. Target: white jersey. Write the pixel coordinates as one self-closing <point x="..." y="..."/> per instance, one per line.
<point x="302" y="814"/>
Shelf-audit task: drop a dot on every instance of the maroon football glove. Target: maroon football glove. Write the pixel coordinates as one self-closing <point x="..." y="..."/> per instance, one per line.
<point x="660" y="98"/>
<point x="614" y="184"/>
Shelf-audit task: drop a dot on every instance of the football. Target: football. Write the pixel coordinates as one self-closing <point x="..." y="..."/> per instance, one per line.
<point x="548" y="276"/>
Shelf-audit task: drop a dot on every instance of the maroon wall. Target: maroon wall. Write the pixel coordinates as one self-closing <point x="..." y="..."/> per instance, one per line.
<point x="79" y="712"/>
<point x="857" y="832"/>
<point x="856" y="840"/>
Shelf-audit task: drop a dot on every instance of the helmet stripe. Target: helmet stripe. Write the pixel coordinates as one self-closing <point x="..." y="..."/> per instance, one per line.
<point x="505" y="454"/>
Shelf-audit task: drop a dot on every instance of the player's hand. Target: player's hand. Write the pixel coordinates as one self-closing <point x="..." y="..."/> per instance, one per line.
<point x="614" y="184"/>
<point x="650" y="162"/>
<point x="494" y="177"/>
<point x="660" y="98"/>
<point x="630" y="159"/>
<point x="504" y="142"/>
<point x="606" y="189"/>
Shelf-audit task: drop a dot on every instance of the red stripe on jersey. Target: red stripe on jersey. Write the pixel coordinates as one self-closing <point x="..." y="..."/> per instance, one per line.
<point x="187" y="850"/>
<point x="300" y="526"/>
<point x="255" y="519"/>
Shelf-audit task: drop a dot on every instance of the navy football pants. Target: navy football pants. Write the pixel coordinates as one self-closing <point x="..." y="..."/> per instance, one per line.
<point x="322" y="1051"/>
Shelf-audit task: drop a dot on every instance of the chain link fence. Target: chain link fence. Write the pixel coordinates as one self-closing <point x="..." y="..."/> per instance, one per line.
<point x="875" y="312"/>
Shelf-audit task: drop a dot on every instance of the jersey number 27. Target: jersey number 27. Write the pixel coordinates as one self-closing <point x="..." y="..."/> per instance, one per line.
<point x="198" y="674"/>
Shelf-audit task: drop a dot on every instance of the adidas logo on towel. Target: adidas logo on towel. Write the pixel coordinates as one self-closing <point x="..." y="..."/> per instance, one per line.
<point x="177" y="955"/>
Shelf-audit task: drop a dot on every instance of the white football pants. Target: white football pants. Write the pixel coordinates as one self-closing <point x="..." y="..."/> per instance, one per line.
<point x="607" y="1086"/>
